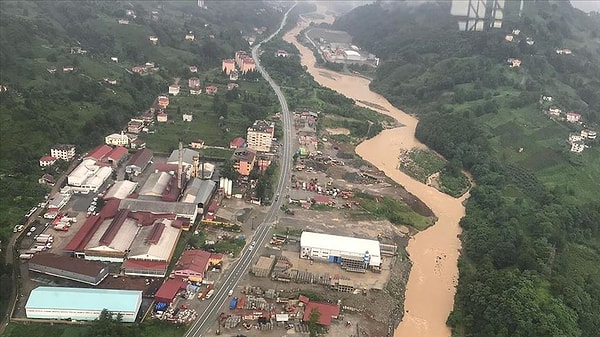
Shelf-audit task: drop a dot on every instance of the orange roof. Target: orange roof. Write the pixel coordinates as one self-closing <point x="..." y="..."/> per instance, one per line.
<point x="327" y="312"/>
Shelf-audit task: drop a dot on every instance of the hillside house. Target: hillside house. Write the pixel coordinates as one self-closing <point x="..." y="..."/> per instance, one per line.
<point x="554" y="111"/>
<point x="123" y="21"/>
<point x="193" y="69"/>
<point x="174" y="89"/>
<point x="135" y="127"/>
<point x="110" y="81"/>
<point x="163" y="101"/>
<point x="575" y="137"/>
<point x="51" y="69"/>
<point x="68" y="69"/>
<point x="211" y="89"/>
<point x="194" y="82"/>
<point x="197" y="144"/>
<point x="63" y="151"/>
<point x="47" y="161"/>
<point x="573" y="117"/>
<point x="187" y="117"/>
<point x="577" y="147"/>
<point x="281" y="53"/>
<point x="234" y="75"/>
<point x="516" y="32"/>
<point x="190" y="37"/>
<point x="237" y="143"/>
<point x="509" y="38"/>
<point x="162" y="117"/>
<point x="114" y="59"/>
<point x="564" y="51"/>
<point x="514" y="63"/>
<point x="231" y="86"/>
<point x="153" y="39"/>
<point x="197" y="91"/>
<point x="139" y="69"/>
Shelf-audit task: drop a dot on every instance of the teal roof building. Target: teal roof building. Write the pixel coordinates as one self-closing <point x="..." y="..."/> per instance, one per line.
<point x="82" y="304"/>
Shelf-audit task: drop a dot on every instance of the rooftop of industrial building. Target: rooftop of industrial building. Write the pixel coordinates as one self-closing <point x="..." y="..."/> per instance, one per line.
<point x="155" y="242"/>
<point x="66" y="263"/>
<point x="121" y="189"/>
<point x="159" y="207"/>
<point x="199" y="191"/>
<point x="140" y="158"/>
<point x="343" y="244"/>
<point x="188" y="156"/>
<point x="64" y="298"/>
<point x="265" y="262"/>
<point x="155" y="184"/>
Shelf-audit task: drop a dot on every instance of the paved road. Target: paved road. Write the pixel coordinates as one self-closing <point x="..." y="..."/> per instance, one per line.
<point x="263" y="231"/>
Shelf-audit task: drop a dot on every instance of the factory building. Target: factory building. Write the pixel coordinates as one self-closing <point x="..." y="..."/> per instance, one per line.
<point x="88" y="176"/>
<point x="90" y="272"/>
<point x="352" y="254"/>
<point x="195" y="262"/>
<point x="82" y="304"/>
<point x="120" y="190"/>
<point x="139" y="161"/>
<point x="117" y="234"/>
<point x="263" y="266"/>
<point x="199" y="192"/>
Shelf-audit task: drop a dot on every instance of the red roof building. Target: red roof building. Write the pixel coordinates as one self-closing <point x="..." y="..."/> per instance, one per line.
<point x="237" y="142"/>
<point x="322" y="199"/>
<point x="145" y="267"/>
<point x="168" y="291"/>
<point x="211" y="89"/>
<point x="327" y="311"/>
<point x="47" y="161"/>
<point x="116" y="155"/>
<point x="196" y="262"/>
<point x="98" y="152"/>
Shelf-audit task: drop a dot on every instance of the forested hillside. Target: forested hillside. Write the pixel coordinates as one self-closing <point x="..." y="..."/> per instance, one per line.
<point x="531" y="236"/>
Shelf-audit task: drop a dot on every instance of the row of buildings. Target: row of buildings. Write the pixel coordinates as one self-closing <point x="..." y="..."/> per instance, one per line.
<point x="242" y="63"/>
<point x="256" y="149"/>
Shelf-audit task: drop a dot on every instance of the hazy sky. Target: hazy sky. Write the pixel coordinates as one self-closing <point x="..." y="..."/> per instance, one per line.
<point x="586" y="5"/>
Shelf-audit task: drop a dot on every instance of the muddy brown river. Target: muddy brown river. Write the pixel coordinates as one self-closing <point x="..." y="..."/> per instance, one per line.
<point x="433" y="252"/>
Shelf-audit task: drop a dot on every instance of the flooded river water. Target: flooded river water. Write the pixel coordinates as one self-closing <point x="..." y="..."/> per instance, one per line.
<point x="433" y="252"/>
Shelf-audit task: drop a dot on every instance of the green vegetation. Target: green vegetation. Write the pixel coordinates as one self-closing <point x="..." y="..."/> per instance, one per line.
<point x="420" y="164"/>
<point x="104" y="326"/>
<point x="530" y="235"/>
<point x="396" y="211"/>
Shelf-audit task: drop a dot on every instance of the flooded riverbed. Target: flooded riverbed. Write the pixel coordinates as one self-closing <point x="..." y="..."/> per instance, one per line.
<point x="433" y="252"/>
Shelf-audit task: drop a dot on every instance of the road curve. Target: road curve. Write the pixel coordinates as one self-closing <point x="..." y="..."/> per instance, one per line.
<point x="263" y="231"/>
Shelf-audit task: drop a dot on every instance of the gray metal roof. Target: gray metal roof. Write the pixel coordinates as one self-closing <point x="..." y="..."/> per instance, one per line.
<point x="199" y="191"/>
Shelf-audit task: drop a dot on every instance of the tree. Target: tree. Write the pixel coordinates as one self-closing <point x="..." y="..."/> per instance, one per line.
<point x="228" y="170"/>
<point x="313" y="319"/>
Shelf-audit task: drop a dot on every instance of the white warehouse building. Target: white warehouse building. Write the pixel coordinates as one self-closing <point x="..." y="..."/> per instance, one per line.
<point x="82" y="304"/>
<point x="88" y="176"/>
<point x="352" y="254"/>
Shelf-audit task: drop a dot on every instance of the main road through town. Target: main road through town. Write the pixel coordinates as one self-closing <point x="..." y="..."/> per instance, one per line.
<point x="263" y="231"/>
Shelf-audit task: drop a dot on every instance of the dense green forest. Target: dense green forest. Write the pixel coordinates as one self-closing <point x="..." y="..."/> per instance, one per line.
<point x="531" y="236"/>
<point x="40" y="107"/>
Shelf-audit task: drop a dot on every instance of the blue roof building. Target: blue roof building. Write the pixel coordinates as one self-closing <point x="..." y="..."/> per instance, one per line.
<point x="82" y="304"/>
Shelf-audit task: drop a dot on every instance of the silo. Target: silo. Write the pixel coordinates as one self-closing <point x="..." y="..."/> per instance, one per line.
<point x="229" y="187"/>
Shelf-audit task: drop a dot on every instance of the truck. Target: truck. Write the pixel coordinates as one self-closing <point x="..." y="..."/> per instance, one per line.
<point x="61" y="227"/>
<point x="25" y="256"/>
<point x="233" y="303"/>
<point x="209" y="294"/>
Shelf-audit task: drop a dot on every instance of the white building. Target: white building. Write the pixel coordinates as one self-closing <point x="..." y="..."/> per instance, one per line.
<point x="351" y="253"/>
<point x="174" y="89"/>
<point x="259" y="136"/>
<point x="187" y="117"/>
<point x="351" y="55"/>
<point x="63" y="151"/>
<point x="117" y="139"/>
<point x="82" y="304"/>
<point x="577" y="147"/>
<point x="88" y="176"/>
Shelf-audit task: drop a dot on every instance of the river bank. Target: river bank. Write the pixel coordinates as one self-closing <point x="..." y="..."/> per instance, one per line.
<point x="434" y="252"/>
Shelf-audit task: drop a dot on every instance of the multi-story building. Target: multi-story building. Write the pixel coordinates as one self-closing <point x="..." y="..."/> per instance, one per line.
<point x="174" y="89"/>
<point x="228" y="66"/>
<point x="247" y="65"/>
<point x="239" y="57"/>
<point x="243" y="160"/>
<point x="118" y="139"/>
<point x="163" y="101"/>
<point x="135" y="126"/>
<point x="63" y="151"/>
<point x="259" y="136"/>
